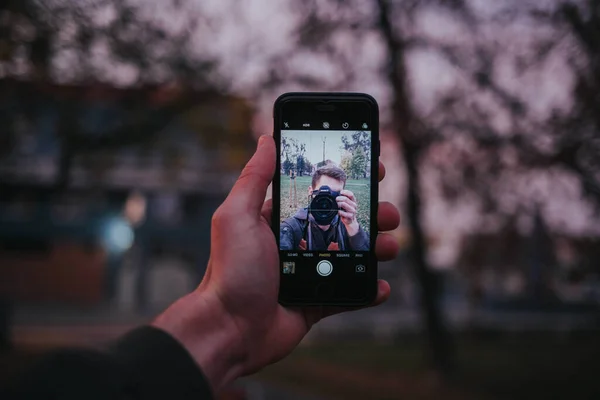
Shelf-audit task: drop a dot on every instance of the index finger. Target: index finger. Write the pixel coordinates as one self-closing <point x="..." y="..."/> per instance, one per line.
<point x="381" y="171"/>
<point x="348" y="194"/>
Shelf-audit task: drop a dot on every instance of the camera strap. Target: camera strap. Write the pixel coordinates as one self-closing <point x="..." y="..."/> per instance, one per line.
<point x="306" y="233"/>
<point x="339" y="237"/>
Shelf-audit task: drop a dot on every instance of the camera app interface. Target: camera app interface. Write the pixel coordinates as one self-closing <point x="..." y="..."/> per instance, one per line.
<point x="325" y="200"/>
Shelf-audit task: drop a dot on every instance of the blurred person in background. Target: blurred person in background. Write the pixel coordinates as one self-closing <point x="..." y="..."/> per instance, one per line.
<point x="230" y="326"/>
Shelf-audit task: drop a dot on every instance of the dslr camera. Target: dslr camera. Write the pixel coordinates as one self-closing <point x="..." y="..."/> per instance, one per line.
<point x="323" y="206"/>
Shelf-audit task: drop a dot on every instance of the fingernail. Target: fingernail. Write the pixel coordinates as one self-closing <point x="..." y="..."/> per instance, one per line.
<point x="261" y="139"/>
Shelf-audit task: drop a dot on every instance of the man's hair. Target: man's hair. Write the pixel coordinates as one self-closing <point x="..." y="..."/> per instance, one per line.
<point x="330" y="170"/>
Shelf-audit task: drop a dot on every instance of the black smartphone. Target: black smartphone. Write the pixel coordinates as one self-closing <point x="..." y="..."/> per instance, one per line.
<point x="325" y="196"/>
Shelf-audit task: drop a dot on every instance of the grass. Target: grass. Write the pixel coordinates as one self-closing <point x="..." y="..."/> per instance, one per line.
<point x="360" y="188"/>
<point x="518" y="367"/>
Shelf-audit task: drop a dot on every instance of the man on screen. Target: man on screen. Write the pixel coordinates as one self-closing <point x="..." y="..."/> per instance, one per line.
<point x="329" y="222"/>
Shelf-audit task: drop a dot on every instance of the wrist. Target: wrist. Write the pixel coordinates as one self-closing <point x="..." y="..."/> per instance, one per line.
<point x="208" y="334"/>
<point x="353" y="228"/>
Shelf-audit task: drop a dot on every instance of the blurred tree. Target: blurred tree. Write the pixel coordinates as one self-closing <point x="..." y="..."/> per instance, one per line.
<point x="480" y="155"/>
<point x="564" y="140"/>
<point x="300" y="159"/>
<point x="289" y="153"/>
<point x="359" y="140"/>
<point x="358" y="164"/>
<point x="579" y="145"/>
<point x="287" y="166"/>
<point x="285" y="149"/>
<point x="497" y="146"/>
<point x="413" y="141"/>
<point x="87" y="43"/>
<point x="308" y="167"/>
<point x="346" y="161"/>
<point x="293" y="156"/>
<point x="482" y="138"/>
<point x="300" y="165"/>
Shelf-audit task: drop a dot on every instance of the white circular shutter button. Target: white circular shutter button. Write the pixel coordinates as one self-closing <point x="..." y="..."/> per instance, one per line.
<point x="324" y="268"/>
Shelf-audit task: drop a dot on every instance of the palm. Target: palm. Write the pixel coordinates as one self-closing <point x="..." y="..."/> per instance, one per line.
<point x="249" y="287"/>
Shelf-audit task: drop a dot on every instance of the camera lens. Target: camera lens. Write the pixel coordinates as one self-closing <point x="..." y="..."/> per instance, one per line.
<point x="324" y="203"/>
<point x="323" y="207"/>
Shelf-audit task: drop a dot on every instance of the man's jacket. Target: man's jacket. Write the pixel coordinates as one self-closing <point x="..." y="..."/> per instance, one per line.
<point x="294" y="234"/>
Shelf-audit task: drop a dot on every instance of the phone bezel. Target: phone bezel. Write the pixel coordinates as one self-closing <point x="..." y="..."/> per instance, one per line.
<point x="370" y="290"/>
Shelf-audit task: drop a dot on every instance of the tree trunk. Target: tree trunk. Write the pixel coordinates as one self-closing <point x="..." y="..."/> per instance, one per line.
<point x="5" y="324"/>
<point x="66" y="131"/>
<point x="403" y="119"/>
<point x="438" y="336"/>
<point x="65" y="164"/>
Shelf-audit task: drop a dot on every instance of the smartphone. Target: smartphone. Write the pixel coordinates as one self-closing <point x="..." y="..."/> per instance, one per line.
<point x="325" y="196"/>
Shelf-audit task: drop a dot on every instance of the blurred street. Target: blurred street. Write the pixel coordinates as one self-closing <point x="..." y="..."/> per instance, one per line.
<point x="377" y="349"/>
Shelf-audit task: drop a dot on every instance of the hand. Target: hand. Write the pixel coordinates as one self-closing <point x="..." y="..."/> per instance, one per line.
<point x="232" y="323"/>
<point x="349" y="205"/>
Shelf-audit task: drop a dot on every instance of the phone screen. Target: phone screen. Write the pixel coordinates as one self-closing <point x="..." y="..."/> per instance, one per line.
<point x="325" y="196"/>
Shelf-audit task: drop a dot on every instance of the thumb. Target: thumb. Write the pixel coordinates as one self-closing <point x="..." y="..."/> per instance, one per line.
<point x="250" y="190"/>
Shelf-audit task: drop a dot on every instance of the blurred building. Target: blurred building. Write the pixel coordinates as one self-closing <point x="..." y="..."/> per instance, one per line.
<point x="89" y="172"/>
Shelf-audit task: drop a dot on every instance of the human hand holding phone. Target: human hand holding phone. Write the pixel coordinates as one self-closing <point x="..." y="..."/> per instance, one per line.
<point x="232" y="324"/>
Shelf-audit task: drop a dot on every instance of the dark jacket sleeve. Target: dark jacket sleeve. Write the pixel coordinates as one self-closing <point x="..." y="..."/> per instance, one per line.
<point x="289" y="235"/>
<point x="147" y="363"/>
<point x="360" y="241"/>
